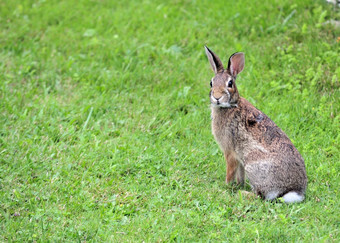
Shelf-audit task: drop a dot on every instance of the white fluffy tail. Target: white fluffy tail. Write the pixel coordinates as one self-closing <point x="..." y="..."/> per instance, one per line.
<point x="292" y="197"/>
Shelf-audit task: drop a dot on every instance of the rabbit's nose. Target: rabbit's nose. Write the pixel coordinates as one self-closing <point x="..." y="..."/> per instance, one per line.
<point x="218" y="100"/>
<point x="217" y="96"/>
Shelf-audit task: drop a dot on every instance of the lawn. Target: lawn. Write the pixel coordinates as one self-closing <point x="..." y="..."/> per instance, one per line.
<point x="105" y="120"/>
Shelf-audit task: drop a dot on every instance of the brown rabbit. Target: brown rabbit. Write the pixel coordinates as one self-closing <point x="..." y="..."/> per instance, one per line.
<point x="251" y="142"/>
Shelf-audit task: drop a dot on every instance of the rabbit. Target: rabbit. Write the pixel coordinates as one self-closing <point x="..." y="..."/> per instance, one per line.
<point x="253" y="145"/>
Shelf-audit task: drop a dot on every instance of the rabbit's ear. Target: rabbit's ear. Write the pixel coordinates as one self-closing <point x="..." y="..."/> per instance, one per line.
<point x="236" y="63"/>
<point x="214" y="60"/>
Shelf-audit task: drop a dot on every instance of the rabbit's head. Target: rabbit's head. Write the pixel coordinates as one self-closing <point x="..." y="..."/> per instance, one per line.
<point x="223" y="91"/>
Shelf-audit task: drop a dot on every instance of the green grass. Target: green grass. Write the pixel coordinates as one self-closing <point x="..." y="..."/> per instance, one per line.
<point x="105" y="121"/>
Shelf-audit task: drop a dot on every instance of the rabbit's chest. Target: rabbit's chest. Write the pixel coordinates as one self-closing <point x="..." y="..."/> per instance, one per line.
<point x="224" y="134"/>
<point x="230" y="134"/>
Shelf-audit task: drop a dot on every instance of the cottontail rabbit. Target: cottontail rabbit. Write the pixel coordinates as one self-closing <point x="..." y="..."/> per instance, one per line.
<point x="251" y="142"/>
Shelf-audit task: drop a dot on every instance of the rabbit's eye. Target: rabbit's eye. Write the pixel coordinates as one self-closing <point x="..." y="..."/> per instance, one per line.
<point x="210" y="83"/>
<point x="230" y="84"/>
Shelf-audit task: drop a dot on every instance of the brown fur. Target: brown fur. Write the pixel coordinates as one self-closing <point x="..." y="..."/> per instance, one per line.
<point x="252" y="143"/>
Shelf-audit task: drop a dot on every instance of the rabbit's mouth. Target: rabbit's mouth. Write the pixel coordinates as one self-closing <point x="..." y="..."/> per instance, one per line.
<point x="223" y="105"/>
<point x="222" y="102"/>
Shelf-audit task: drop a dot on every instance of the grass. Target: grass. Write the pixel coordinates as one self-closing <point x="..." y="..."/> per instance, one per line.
<point x="105" y="121"/>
